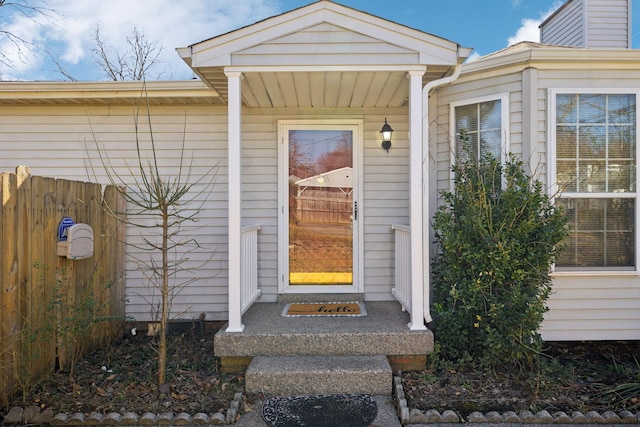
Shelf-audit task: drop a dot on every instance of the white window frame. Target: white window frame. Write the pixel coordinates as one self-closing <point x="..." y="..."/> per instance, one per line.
<point x="553" y="185"/>
<point x="504" y="123"/>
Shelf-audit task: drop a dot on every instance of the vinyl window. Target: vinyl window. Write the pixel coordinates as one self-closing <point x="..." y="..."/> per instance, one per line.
<point x="484" y="121"/>
<point x="595" y="176"/>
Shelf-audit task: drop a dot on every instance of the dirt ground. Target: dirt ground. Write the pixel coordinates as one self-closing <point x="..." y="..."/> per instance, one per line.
<point x="123" y="377"/>
<point x="581" y="377"/>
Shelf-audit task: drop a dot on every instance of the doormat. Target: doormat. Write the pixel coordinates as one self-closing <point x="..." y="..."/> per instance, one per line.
<point x="330" y="309"/>
<point x="325" y="410"/>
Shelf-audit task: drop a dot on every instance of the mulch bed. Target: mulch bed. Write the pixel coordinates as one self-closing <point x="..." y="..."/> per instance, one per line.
<point x="123" y="377"/>
<point x="581" y="378"/>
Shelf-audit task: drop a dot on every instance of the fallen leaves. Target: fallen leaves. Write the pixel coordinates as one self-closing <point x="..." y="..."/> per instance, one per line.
<point x="193" y="380"/>
<point x="579" y="373"/>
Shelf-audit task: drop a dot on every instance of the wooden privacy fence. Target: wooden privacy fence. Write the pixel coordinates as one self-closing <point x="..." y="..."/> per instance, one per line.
<point x="54" y="308"/>
<point x="313" y="208"/>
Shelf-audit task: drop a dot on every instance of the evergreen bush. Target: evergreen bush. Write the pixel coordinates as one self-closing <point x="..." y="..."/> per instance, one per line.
<point x="498" y="234"/>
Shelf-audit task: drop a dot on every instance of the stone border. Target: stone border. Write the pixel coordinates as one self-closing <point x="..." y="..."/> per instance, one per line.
<point x="416" y="416"/>
<point x="34" y="415"/>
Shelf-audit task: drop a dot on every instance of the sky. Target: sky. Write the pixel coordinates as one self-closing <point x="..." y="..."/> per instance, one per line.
<point x="67" y="32"/>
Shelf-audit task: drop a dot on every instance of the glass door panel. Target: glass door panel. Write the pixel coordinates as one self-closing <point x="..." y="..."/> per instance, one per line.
<point x="320" y="207"/>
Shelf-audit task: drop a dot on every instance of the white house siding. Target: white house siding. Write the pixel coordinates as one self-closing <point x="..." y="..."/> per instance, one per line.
<point x="593" y="308"/>
<point x="317" y="46"/>
<point x="386" y="198"/>
<point x="566" y="26"/>
<point x="583" y="306"/>
<point x="260" y="193"/>
<point x="53" y="141"/>
<point x="609" y="24"/>
<point x="593" y="24"/>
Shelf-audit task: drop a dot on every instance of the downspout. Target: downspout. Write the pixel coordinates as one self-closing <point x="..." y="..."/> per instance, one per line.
<point x="425" y="179"/>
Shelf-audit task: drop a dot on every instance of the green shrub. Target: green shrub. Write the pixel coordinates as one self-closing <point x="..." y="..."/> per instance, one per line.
<point x="498" y="234"/>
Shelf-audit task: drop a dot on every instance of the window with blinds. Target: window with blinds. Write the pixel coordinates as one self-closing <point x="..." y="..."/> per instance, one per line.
<point x="482" y="123"/>
<point x="595" y="173"/>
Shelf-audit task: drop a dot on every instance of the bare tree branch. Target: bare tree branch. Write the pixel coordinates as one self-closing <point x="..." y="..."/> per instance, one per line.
<point x="60" y="68"/>
<point x="135" y="63"/>
<point x="21" y="44"/>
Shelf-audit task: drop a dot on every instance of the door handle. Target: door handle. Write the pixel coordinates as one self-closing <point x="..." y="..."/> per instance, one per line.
<point x="355" y="211"/>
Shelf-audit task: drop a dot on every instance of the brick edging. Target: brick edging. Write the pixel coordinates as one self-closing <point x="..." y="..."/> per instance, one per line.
<point x="416" y="416"/>
<point x="34" y="415"/>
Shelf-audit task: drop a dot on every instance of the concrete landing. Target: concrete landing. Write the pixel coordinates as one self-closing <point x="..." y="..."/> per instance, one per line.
<point x="298" y="375"/>
<point x="383" y="331"/>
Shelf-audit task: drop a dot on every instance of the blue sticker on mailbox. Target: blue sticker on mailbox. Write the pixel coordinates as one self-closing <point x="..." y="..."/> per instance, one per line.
<point x="63" y="228"/>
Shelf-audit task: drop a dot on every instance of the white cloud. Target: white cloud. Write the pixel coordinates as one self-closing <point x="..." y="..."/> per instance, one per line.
<point x="473" y="57"/>
<point x="529" y="30"/>
<point x="171" y="23"/>
<point x="19" y="48"/>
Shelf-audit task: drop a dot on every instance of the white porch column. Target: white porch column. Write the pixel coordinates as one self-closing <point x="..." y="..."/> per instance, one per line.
<point x="235" y="204"/>
<point x="417" y="193"/>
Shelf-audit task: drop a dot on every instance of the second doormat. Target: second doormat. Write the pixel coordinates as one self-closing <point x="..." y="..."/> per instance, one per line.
<point x="323" y="309"/>
<point x="325" y="410"/>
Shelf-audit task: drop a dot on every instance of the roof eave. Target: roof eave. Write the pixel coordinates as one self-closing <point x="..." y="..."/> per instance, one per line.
<point x="26" y="92"/>
<point x="553" y="58"/>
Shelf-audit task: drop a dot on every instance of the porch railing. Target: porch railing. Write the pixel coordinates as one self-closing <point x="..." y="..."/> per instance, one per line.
<point x="402" y="289"/>
<point x="249" y="291"/>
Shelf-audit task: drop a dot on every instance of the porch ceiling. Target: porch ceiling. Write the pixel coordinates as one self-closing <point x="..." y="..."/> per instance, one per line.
<point x="320" y="89"/>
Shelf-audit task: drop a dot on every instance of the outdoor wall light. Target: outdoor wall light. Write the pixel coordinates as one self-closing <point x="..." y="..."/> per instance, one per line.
<point x="386" y="135"/>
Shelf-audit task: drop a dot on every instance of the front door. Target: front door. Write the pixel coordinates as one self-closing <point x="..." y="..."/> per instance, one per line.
<point x="320" y="206"/>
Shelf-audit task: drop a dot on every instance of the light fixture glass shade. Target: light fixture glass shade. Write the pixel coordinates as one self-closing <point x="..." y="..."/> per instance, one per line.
<point x="386" y="135"/>
<point x="386" y="131"/>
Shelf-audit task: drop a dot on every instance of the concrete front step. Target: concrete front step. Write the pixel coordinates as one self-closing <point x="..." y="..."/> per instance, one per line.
<point x="294" y="375"/>
<point x="323" y="343"/>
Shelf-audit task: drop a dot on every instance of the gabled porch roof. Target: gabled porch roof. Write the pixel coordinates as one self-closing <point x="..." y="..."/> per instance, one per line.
<point x="323" y="55"/>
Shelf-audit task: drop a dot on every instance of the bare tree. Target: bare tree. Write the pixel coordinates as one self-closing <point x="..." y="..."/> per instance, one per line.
<point x="22" y="46"/>
<point x="161" y="204"/>
<point x="135" y="63"/>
